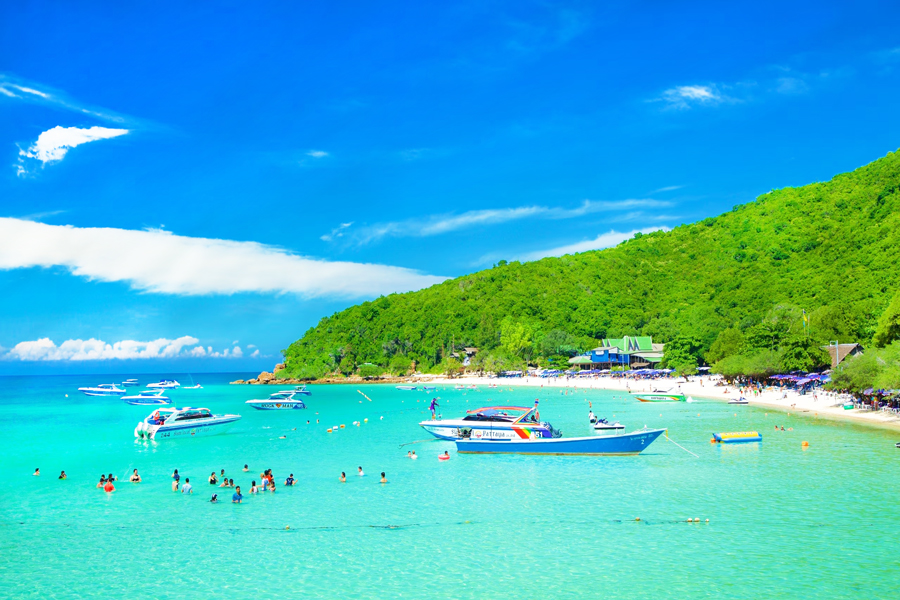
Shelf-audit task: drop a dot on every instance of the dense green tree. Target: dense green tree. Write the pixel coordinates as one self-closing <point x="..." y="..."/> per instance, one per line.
<point x="889" y="324"/>
<point x="728" y="343"/>
<point x="681" y="354"/>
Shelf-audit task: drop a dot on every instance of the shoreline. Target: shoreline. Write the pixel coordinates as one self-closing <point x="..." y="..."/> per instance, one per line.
<point x="826" y="405"/>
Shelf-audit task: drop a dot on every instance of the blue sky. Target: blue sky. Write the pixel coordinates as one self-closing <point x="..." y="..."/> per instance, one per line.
<point x="180" y="181"/>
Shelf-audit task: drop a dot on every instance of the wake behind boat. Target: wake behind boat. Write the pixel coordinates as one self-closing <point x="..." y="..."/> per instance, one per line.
<point x="493" y="422"/>
<point x="104" y="389"/>
<point x="285" y="400"/>
<point x="146" y="398"/>
<point x="614" y="445"/>
<point x="182" y="422"/>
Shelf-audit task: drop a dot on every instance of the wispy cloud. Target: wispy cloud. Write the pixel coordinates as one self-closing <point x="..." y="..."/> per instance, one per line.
<point x="439" y="224"/>
<point x="53" y="144"/>
<point x="337" y="232"/>
<point x="317" y="153"/>
<point x="688" y="96"/>
<point x="16" y="88"/>
<point x="668" y="188"/>
<point x="163" y="263"/>
<point x="604" y="240"/>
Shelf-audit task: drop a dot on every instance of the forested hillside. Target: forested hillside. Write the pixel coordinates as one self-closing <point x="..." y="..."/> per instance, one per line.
<point x="728" y="290"/>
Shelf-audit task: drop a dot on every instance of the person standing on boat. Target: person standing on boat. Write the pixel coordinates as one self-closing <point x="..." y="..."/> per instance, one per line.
<point x="433" y="407"/>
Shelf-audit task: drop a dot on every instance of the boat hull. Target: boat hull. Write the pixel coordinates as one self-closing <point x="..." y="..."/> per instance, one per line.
<point x="186" y="430"/>
<point x="659" y="397"/>
<point x="453" y="430"/>
<point x="620" y="445"/>
<point x="146" y="401"/>
<point x="114" y="394"/>
<point x="274" y="405"/>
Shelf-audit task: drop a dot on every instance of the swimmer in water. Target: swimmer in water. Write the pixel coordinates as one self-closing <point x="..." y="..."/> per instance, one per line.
<point x="37" y="472"/>
<point x="289" y="480"/>
<point x="63" y="475"/>
<point x="231" y="483"/>
<point x="212" y="478"/>
<point x="111" y="477"/>
<point x="414" y="455"/>
<point x="383" y="478"/>
<point x="109" y="487"/>
<point x="246" y="468"/>
<point x="224" y="483"/>
<point x="176" y="476"/>
<point x="135" y="478"/>
<point x="408" y="454"/>
<point x="253" y="488"/>
<point x="360" y="473"/>
<point x="214" y="499"/>
<point x="102" y="482"/>
<point x="446" y="454"/>
<point x="343" y="477"/>
<point x="237" y="497"/>
<point x="187" y="488"/>
<point x="174" y="485"/>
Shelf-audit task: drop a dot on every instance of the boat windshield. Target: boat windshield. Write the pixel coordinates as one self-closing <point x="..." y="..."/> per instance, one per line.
<point x="281" y="396"/>
<point x="193" y="414"/>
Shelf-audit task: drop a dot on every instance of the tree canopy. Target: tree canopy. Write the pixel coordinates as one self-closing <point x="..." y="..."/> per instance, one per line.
<point x="728" y="290"/>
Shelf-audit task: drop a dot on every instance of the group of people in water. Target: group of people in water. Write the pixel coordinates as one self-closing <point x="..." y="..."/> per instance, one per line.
<point x="267" y="480"/>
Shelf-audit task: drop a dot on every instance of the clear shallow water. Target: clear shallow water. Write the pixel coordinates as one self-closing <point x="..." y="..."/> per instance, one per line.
<point x="784" y="522"/>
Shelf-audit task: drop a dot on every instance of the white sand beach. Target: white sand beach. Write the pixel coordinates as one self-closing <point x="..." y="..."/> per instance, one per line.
<point x="826" y="405"/>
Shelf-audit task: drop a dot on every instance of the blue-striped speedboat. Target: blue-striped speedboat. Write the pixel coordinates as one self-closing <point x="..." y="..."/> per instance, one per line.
<point x="626" y="444"/>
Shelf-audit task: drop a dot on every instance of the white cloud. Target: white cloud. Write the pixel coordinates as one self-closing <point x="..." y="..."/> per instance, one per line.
<point x="255" y="354"/>
<point x="80" y="350"/>
<point x="45" y="349"/>
<point x="686" y="96"/>
<point x="440" y="224"/>
<point x="160" y="262"/>
<point x="53" y="144"/>
<point x="31" y="91"/>
<point x="605" y="240"/>
<point x="668" y="188"/>
<point x="317" y="153"/>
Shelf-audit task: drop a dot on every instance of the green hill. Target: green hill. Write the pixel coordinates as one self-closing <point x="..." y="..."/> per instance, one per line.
<point x="730" y="288"/>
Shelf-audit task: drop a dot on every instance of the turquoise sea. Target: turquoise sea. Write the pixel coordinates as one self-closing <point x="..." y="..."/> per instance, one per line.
<point x="784" y="522"/>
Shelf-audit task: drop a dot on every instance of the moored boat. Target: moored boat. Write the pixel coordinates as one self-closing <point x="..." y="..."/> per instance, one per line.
<point x="407" y="388"/>
<point x="285" y="400"/>
<point x="130" y="383"/>
<point x="146" y="398"/>
<point x="104" y="389"/>
<point x="740" y="400"/>
<point x="602" y="425"/>
<point x="493" y="422"/>
<point x="167" y="423"/>
<point x="301" y="389"/>
<point x="166" y="384"/>
<point x="614" y="445"/>
<point x="660" y="396"/>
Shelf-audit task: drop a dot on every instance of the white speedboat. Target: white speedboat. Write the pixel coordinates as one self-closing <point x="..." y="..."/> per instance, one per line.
<point x="130" y="383"/>
<point x="407" y="388"/>
<point x="493" y="422"/>
<point x="166" y="384"/>
<point x="196" y="386"/>
<point x="604" y="426"/>
<point x="301" y="389"/>
<point x="167" y="423"/>
<point x="285" y="400"/>
<point x="104" y="389"/>
<point x="740" y="400"/>
<point x="146" y="398"/>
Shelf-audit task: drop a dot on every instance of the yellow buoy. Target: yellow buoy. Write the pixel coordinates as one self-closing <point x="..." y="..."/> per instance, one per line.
<point x="365" y="420"/>
<point x="690" y="520"/>
<point x="637" y="518"/>
<point x="329" y="431"/>
<point x="342" y="426"/>
<point x="707" y="520"/>
<point x="805" y="444"/>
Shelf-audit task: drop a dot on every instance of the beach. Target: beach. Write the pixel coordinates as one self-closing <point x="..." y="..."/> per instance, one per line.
<point x="821" y="404"/>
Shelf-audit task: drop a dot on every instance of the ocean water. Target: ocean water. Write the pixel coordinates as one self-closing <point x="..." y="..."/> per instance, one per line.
<point x="784" y="522"/>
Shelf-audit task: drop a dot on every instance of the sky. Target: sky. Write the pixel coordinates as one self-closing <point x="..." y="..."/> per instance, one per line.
<point x="190" y="187"/>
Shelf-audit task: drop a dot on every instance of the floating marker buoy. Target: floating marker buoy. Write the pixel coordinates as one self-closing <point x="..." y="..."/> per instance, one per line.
<point x="382" y="418"/>
<point x="67" y="395"/>
<point x="287" y="527"/>
<point x="342" y="425"/>
<point x="329" y="431"/>
<point x="365" y="420"/>
<point x="690" y="520"/>
<point x="805" y="444"/>
<point x="637" y="518"/>
<point x="707" y="520"/>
